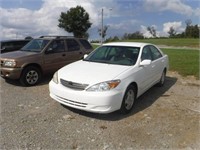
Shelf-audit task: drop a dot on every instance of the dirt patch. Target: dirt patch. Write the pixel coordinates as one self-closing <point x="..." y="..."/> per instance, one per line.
<point x="163" y="118"/>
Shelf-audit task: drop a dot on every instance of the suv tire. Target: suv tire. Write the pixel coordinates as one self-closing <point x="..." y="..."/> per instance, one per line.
<point x="30" y="76"/>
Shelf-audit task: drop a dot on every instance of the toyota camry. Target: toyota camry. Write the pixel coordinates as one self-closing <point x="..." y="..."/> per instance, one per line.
<point x="110" y="78"/>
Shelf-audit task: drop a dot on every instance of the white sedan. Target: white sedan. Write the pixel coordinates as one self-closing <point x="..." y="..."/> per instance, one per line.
<point x="110" y="78"/>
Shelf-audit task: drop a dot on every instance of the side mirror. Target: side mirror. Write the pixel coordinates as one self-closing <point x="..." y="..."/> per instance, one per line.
<point x="85" y="56"/>
<point x="3" y="48"/>
<point x="6" y="47"/>
<point x="145" y="62"/>
<point x="49" y="50"/>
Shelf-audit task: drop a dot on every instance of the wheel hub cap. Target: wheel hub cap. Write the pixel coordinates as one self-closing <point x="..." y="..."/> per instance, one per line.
<point x="129" y="99"/>
<point x="32" y="77"/>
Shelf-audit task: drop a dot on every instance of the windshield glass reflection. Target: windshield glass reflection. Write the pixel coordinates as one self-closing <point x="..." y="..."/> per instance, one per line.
<point x="35" y="45"/>
<point x="120" y="55"/>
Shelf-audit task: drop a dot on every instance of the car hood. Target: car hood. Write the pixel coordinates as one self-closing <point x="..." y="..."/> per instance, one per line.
<point x="17" y="54"/>
<point x="85" y="72"/>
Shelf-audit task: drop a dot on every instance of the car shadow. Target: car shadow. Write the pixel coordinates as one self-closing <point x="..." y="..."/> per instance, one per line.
<point x="13" y="82"/>
<point x="45" y="80"/>
<point x="143" y="102"/>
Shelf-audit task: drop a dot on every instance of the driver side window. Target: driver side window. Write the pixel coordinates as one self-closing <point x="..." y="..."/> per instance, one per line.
<point x="56" y="46"/>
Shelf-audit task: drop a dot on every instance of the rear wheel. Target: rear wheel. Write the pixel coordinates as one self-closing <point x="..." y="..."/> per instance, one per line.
<point x="30" y="76"/>
<point x="128" y="100"/>
<point x="162" y="79"/>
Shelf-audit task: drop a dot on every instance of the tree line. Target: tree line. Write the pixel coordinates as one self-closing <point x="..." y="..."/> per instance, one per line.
<point x="76" y="21"/>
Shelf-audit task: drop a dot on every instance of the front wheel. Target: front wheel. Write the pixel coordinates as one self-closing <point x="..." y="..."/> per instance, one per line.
<point x="30" y="76"/>
<point x="128" y="100"/>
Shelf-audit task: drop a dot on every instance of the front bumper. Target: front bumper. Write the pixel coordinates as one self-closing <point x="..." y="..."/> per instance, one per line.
<point x="98" y="102"/>
<point x="11" y="73"/>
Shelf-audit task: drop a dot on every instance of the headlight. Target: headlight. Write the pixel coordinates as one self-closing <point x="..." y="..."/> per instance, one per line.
<point x="104" y="86"/>
<point x="9" y="63"/>
<point x="55" y="77"/>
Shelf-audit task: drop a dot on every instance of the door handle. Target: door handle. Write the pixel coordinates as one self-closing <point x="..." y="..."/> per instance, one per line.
<point x="80" y="52"/>
<point x="63" y="54"/>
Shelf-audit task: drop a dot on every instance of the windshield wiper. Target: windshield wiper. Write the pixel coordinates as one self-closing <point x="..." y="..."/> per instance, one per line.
<point x="24" y="50"/>
<point x="99" y="61"/>
<point x="29" y="50"/>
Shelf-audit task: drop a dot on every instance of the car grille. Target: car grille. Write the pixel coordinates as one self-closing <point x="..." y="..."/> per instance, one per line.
<point x="71" y="102"/>
<point x="73" y="85"/>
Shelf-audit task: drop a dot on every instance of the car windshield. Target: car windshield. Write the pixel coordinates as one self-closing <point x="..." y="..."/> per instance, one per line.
<point x="35" y="45"/>
<point x="120" y="55"/>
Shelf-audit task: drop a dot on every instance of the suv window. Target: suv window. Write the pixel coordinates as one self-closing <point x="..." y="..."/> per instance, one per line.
<point x="56" y="46"/>
<point x="35" y="45"/>
<point x="72" y="45"/>
<point x="155" y="52"/>
<point x="85" y="44"/>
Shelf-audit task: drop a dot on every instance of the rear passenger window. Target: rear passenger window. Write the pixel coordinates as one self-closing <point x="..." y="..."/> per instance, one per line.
<point x="155" y="52"/>
<point x="146" y="54"/>
<point x="72" y="45"/>
<point x="85" y="44"/>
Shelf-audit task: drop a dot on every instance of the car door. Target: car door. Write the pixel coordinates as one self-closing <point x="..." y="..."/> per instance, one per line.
<point x="74" y="51"/>
<point x="157" y="63"/>
<point x="55" y="56"/>
<point x="145" y="73"/>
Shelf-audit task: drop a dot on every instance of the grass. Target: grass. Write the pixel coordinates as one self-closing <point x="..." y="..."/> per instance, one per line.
<point x="177" y="42"/>
<point x="185" y="62"/>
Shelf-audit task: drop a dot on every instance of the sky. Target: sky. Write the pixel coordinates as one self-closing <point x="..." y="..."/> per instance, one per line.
<point x="22" y="18"/>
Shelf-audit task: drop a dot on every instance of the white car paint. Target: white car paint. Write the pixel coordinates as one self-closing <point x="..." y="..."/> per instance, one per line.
<point x="144" y="74"/>
<point x="90" y="72"/>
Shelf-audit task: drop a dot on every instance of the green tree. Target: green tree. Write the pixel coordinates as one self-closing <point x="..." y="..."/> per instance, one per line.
<point x="75" y="21"/>
<point x="152" y="31"/>
<point x="188" y="22"/>
<point x="196" y="31"/>
<point x="112" y="39"/>
<point x="135" y="35"/>
<point x="105" y="28"/>
<point x="171" y="32"/>
<point x="192" y="31"/>
<point x="125" y="36"/>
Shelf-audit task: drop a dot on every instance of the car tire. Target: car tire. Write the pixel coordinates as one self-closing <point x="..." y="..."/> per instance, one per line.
<point x="128" y="100"/>
<point x="162" y="79"/>
<point x="30" y="76"/>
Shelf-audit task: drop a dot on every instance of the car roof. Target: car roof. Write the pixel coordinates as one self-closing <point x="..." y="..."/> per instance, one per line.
<point x="4" y="41"/>
<point x="58" y="37"/>
<point x="132" y="44"/>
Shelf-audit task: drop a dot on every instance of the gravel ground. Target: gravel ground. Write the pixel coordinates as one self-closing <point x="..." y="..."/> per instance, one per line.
<point x="162" y="118"/>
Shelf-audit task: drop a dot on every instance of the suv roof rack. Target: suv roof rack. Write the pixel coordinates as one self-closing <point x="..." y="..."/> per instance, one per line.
<point x="57" y="37"/>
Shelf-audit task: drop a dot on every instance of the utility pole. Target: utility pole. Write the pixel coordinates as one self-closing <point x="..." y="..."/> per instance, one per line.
<point x="102" y="26"/>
